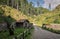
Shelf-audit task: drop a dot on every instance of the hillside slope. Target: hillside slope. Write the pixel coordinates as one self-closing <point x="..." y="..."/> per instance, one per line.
<point x="45" y="18"/>
<point x="55" y="16"/>
<point x="9" y="11"/>
<point x="49" y="18"/>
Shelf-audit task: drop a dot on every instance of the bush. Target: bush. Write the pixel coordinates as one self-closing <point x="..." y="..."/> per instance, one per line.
<point x="57" y="21"/>
<point x="57" y="31"/>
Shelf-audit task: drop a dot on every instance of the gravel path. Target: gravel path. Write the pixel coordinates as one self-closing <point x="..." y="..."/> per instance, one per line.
<point x="43" y="34"/>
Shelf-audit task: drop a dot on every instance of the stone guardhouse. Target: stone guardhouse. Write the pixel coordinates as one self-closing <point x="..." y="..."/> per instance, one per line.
<point x="22" y="23"/>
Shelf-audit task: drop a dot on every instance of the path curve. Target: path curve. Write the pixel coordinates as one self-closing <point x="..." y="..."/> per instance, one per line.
<point x="44" y="34"/>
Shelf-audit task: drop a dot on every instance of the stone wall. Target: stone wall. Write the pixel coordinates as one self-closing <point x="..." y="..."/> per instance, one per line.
<point x="3" y="26"/>
<point x="53" y="26"/>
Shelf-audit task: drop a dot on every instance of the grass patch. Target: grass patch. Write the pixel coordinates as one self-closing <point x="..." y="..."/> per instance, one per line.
<point x="19" y="30"/>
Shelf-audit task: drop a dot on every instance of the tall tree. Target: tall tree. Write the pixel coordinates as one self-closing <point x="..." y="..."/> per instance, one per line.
<point x="50" y="6"/>
<point x="17" y="4"/>
<point x="12" y="1"/>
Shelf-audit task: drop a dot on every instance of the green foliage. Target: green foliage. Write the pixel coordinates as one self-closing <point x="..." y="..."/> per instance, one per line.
<point x="10" y="14"/>
<point x="5" y="35"/>
<point x="57" y="21"/>
<point x="37" y="15"/>
<point x="9" y="19"/>
<point x="5" y="18"/>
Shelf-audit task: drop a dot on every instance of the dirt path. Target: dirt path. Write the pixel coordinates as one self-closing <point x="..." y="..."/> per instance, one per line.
<point x="43" y="34"/>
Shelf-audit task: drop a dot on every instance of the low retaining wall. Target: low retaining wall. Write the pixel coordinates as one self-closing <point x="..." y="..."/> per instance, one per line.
<point x="53" y="26"/>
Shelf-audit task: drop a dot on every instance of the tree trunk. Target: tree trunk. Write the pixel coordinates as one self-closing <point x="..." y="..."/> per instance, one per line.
<point x="8" y="2"/>
<point x="17" y="5"/>
<point x="11" y="32"/>
<point x="12" y="3"/>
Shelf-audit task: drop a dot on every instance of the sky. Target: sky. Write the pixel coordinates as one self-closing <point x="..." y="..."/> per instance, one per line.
<point x="45" y="3"/>
<point x="35" y="2"/>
